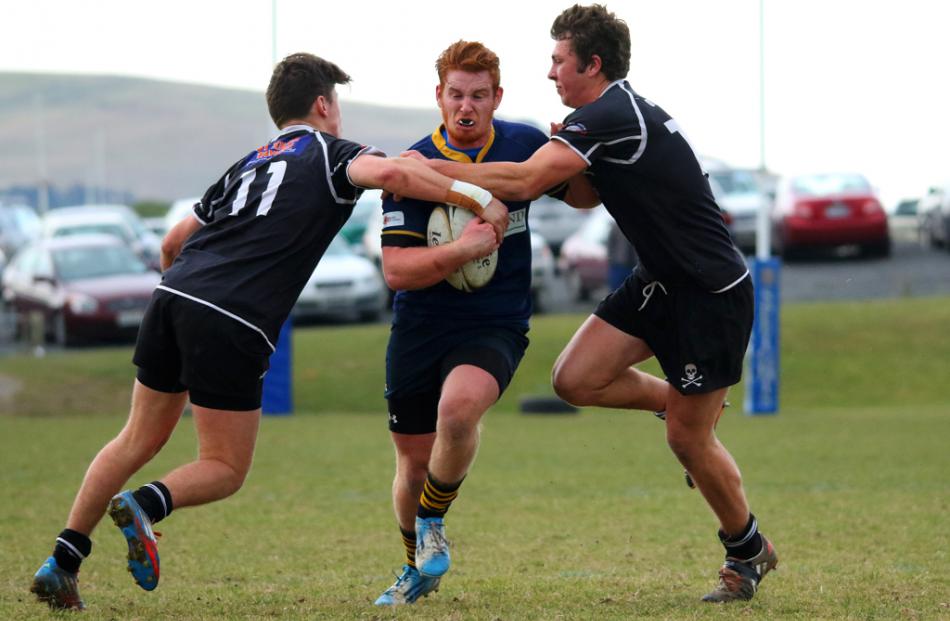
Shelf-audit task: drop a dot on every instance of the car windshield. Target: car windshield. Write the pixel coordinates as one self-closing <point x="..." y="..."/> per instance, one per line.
<point x="597" y="228"/>
<point x="101" y="228"/>
<point x="821" y="185"/>
<point x="96" y="262"/>
<point x="735" y="181"/>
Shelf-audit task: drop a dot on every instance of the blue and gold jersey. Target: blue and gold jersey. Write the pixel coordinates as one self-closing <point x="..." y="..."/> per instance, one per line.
<point x="507" y="297"/>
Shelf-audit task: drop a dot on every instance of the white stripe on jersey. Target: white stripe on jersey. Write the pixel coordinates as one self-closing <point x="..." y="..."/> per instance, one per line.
<point x="643" y="130"/>
<point x="733" y="284"/>
<point x="220" y="310"/>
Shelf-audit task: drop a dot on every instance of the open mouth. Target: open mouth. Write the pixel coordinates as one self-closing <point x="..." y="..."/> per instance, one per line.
<point x="466" y="122"/>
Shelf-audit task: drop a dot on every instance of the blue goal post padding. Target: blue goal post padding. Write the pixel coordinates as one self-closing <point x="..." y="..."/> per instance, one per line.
<point x="763" y="357"/>
<point x="278" y="382"/>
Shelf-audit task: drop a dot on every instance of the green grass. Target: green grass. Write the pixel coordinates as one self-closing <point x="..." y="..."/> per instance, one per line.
<point x="563" y="517"/>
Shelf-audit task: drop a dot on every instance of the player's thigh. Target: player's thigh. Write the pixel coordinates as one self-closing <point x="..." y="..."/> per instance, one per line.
<point x="467" y="392"/>
<point x="599" y="352"/>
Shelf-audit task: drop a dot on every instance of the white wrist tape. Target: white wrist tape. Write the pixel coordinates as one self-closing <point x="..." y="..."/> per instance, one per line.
<point x="469" y="190"/>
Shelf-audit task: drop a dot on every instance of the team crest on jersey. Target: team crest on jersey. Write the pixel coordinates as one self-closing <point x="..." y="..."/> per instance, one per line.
<point x="577" y="128"/>
<point x="281" y="147"/>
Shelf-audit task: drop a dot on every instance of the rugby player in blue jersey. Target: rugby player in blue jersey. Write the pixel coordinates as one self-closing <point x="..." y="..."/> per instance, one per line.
<point x="689" y="302"/>
<point x="232" y="271"/>
<point x="451" y="353"/>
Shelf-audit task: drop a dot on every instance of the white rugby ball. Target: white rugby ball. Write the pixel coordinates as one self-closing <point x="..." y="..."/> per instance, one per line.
<point x="446" y="224"/>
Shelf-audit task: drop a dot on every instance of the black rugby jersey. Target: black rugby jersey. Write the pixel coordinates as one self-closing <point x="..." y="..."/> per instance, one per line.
<point x="507" y="297"/>
<point x="651" y="182"/>
<point x="267" y="222"/>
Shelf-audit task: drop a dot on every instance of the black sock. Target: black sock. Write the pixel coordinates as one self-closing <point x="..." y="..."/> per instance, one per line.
<point x="155" y="500"/>
<point x="436" y="497"/>
<point x="71" y="548"/>
<point x="744" y="545"/>
<point x="409" y="541"/>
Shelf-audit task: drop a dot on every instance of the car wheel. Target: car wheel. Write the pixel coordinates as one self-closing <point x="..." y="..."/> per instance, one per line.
<point x="369" y="316"/>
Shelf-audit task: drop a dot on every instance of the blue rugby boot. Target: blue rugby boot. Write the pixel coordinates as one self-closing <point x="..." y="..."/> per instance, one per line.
<point x="409" y="587"/>
<point x="57" y="587"/>
<point x="432" y="549"/>
<point x="137" y="530"/>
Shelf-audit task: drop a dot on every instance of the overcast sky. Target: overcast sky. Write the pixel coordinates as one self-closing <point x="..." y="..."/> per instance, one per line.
<point x="849" y="84"/>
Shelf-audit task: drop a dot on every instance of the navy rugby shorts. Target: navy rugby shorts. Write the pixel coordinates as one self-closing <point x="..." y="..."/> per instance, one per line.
<point x="422" y="353"/>
<point x="184" y="345"/>
<point x="698" y="337"/>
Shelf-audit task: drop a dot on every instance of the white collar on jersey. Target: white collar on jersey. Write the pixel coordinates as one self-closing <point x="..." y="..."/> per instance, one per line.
<point x="295" y="128"/>
<point x="610" y="86"/>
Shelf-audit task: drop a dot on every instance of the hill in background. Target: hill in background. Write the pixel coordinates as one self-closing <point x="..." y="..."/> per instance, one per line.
<point x="154" y="140"/>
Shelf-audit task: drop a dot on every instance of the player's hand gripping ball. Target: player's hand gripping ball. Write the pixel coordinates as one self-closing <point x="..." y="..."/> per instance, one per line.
<point x="445" y="225"/>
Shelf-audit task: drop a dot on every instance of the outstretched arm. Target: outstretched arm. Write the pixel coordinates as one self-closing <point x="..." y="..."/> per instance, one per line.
<point x="413" y="178"/>
<point x="551" y="165"/>
<point x="176" y="238"/>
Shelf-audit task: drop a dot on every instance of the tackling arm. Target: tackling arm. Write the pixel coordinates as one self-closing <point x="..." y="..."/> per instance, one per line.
<point x="412" y="178"/>
<point x="550" y="165"/>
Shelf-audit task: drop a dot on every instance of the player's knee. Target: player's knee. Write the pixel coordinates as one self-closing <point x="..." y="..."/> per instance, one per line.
<point x="570" y="387"/>
<point x="685" y="443"/>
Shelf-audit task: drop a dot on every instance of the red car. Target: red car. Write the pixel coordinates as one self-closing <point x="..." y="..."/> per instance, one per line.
<point x="828" y="210"/>
<point x="82" y="287"/>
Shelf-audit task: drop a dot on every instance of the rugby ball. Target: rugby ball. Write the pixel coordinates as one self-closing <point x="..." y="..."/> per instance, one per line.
<point x="446" y="224"/>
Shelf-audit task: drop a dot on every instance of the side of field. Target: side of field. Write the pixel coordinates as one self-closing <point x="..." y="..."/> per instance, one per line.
<point x="833" y="354"/>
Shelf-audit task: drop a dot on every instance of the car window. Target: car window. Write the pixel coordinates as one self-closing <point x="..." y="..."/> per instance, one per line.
<point x="96" y="261"/>
<point x="338" y="247"/>
<point x="820" y="185"/>
<point x="735" y="181"/>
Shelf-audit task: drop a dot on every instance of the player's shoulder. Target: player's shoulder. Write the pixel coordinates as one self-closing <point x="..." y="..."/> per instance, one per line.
<point x="519" y="134"/>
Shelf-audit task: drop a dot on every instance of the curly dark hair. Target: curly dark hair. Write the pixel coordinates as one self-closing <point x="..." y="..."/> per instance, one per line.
<point x="594" y="30"/>
<point x="296" y="83"/>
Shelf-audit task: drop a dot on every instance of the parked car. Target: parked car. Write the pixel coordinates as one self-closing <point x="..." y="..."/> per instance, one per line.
<point x="19" y="224"/>
<point x="85" y="287"/>
<point x="555" y="221"/>
<point x="117" y="220"/>
<point x="740" y="197"/>
<point x="828" y="210"/>
<point x="354" y="228"/>
<point x="934" y="214"/>
<point x="344" y="286"/>
<point x="583" y="260"/>
<point x="904" y="220"/>
<point x="178" y="210"/>
<point x="542" y="272"/>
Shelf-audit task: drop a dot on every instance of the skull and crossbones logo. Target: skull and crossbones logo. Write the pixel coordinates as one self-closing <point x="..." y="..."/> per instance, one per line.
<point x="692" y="376"/>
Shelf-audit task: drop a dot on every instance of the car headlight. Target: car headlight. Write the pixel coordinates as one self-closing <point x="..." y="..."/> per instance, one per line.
<point x="82" y="304"/>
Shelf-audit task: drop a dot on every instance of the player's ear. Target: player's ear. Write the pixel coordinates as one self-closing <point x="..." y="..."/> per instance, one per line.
<point x="438" y="95"/>
<point x="321" y="106"/>
<point x="594" y="65"/>
<point x="498" y="94"/>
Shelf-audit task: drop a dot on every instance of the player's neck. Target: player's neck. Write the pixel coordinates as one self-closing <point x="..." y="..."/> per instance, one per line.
<point x="308" y="122"/>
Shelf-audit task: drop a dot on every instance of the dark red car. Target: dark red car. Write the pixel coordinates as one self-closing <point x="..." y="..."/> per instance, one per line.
<point x="828" y="210"/>
<point x="78" y="288"/>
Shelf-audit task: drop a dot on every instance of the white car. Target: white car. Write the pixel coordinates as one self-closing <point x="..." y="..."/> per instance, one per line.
<point x="344" y="286"/>
<point x="740" y="196"/>
<point x="178" y="210"/>
<point x="116" y="220"/>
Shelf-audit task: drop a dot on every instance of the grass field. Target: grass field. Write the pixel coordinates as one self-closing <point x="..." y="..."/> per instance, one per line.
<point x="563" y="517"/>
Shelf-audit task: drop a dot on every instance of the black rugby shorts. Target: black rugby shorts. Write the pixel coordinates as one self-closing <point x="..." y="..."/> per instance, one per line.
<point x="185" y="345"/>
<point x="699" y="338"/>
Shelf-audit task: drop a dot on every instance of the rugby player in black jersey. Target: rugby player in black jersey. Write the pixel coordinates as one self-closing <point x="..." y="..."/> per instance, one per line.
<point x="232" y="271"/>
<point x="689" y="302"/>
